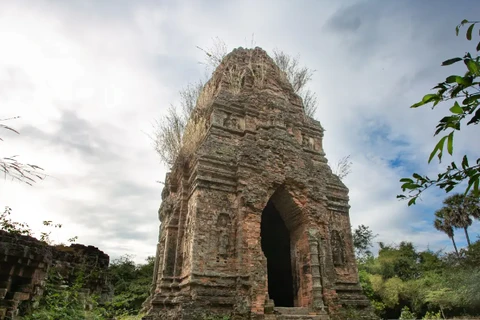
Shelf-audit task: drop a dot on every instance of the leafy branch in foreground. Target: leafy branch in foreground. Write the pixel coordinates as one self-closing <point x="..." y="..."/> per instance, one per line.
<point x="464" y="91"/>
<point x="14" y="227"/>
<point x="10" y="167"/>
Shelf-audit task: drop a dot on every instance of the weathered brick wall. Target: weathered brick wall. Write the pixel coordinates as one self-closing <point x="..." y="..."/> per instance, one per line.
<point x="25" y="262"/>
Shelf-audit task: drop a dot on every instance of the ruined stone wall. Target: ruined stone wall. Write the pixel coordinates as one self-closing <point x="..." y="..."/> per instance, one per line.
<point x="26" y="261"/>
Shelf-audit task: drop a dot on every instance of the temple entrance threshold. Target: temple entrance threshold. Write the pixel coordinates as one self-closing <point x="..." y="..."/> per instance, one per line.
<point x="275" y="241"/>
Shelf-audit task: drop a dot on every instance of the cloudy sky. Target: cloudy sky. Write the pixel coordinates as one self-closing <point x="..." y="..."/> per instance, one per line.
<point x="88" y="79"/>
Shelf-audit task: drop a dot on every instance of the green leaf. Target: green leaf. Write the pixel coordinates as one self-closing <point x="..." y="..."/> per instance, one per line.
<point x="417" y="176"/>
<point x="429" y="97"/>
<point x="464" y="81"/>
<point x="465" y="162"/>
<point x="476" y="187"/>
<point x="456" y="108"/>
<point x="440" y="86"/>
<point x="451" y="79"/>
<point x="472" y="98"/>
<point x="473" y="181"/>
<point x="451" y="61"/>
<point x="410" y="186"/>
<point x="406" y="180"/>
<point x="469" y="31"/>
<point x="438" y="147"/>
<point x="412" y="201"/>
<point x="475" y="118"/>
<point x="478" y="46"/>
<point x="426" y="99"/>
<point x="416" y="105"/>
<point x="456" y="91"/>
<point x="472" y="67"/>
<point x="450" y="143"/>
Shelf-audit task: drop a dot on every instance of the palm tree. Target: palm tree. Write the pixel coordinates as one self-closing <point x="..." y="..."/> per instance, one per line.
<point x="460" y="210"/>
<point x="443" y="223"/>
<point x="472" y="205"/>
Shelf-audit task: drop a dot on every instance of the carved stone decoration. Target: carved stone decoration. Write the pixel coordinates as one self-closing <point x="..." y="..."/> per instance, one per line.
<point x="223" y="243"/>
<point x="223" y="235"/>
<point x="256" y="228"/>
<point x="271" y="120"/>
<point x="311" y="143"/>
<point x="338" y="249"/>
<point x="308" y="142"/>
<point x="305" y="142"/>
<point x="276" y="120"/>
<point x="231" y="122"/>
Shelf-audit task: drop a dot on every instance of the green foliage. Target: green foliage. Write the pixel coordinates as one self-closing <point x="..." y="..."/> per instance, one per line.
<point x="472" y="255"/>
<point x="65" y="300"/>
<point x="464" y="93"/>
<point x="398" y="261"/>
<point x="439" y="283"/>
<point x="407" y="314"/>
<point x="432" y="315"/>
<point x="8" y="225"/>
<point x="131" y="285"/>
<point x="458" y="211"/>
<point x="215" y="317"/>
<point x="44" y="235"/>
<point x="362" y="241"/>
<point x="130" y="317"/>
<point x="14" y="227"/>
<point x="400" y="277"/>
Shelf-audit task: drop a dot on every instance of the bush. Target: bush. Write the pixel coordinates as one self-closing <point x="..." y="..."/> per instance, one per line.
<point x="66" y="301"/>
<point x="407" y="314"/>
<point x="131" y="286"/>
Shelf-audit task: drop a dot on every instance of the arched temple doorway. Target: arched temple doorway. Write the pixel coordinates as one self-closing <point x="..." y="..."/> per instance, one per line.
<point x="276" y="245"/>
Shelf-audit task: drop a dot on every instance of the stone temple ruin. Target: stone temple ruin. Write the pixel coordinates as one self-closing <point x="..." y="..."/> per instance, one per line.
<point x="25" y="263"/>
<point x="254" y="224"/>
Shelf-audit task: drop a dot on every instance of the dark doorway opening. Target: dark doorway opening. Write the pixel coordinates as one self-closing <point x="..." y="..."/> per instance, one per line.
<point x="276" y="247"/>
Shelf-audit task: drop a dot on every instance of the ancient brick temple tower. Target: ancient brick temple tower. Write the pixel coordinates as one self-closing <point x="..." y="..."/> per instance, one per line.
<point x="254" y="224"/>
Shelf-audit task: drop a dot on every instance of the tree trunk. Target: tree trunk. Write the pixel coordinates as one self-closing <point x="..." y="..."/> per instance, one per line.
<point x="455" y="246"/>
<point x="466" y="235"/>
